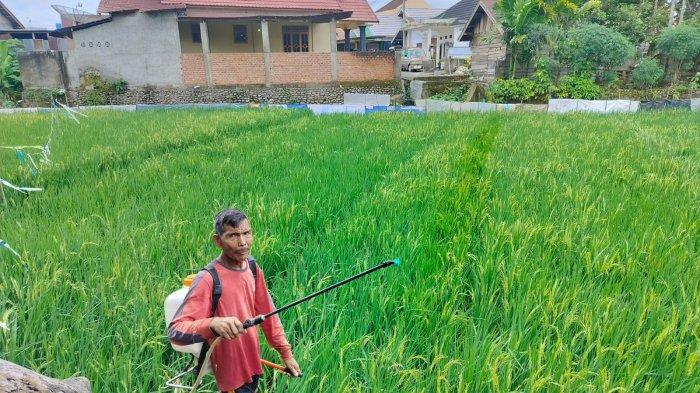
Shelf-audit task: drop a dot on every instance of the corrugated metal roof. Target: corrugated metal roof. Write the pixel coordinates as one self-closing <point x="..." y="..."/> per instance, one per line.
<point x="421" y="14"/>
<point x="461" y="11"/>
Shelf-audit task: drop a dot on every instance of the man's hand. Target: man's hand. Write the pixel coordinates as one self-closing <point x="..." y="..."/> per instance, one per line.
<point x="293" y="367"/>
<point x="228" y="328"/>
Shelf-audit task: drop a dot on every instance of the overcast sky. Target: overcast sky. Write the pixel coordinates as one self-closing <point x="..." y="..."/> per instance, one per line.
<point x="38" y="13"/>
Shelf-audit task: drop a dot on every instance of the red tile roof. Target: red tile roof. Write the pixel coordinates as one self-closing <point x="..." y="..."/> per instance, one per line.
<point x="361" y="11"/>
<point x="321" y="5"/>
<point x="136" y="5"/>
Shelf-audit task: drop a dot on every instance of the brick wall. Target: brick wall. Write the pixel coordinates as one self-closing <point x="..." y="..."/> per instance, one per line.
<point x="229" y="69"/>
<point x="193" y="72"/>
<point x="286" y="68"/>
<point x="366" y="66"/>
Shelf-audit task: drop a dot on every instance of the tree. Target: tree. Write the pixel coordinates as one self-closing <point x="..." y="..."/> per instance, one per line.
<point x="10" y="82"/>
<point x="593" y="47"/>
<point x="519" y="16"/>
<point x="672" y="13"/>
<point x="680" y="44"/>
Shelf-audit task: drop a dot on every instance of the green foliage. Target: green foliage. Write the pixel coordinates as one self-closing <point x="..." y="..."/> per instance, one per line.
<point x="457" y="93"/>
<point x="95" y="97"/>
<point x="529" y="24"/>
<point x="10" y="81"/>
<point x="511" y="90"/>
<point x="98" y="89"/>
<point x="542" y="78"/>
<point x="579" y="86"/>
<point x="648" y="73"/>
<point x="694" y="83"/>
<point x="593" y="46"/>
<point x="681" y="44"/>
<point x="43" y="97"/>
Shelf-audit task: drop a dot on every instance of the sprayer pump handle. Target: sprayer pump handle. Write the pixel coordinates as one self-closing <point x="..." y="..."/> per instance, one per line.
<point x="253" y="322"/>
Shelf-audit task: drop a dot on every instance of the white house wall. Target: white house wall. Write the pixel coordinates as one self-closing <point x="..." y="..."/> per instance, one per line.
<point x="141" y="48"/>
<point x="5" y="23"/>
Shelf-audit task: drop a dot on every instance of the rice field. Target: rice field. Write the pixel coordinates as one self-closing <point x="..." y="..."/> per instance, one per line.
<point x="539" y="253"/>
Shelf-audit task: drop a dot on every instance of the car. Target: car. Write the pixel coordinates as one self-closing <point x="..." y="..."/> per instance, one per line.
<point x="414" y="59"/>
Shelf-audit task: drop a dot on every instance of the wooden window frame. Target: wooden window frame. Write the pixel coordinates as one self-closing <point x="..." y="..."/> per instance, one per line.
<point x="295" y="39"/>
<point x="237" y="30"/>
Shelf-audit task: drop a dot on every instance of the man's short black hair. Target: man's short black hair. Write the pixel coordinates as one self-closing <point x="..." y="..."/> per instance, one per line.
<point x="228" y="217"/>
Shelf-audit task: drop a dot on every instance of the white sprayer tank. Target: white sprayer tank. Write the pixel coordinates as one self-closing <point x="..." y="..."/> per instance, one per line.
<point x="172" y="304"/>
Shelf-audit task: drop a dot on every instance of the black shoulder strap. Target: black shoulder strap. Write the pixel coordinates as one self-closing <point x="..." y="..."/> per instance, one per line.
<point x="254" y="269"/>
<point x="215" y="296"/>
<point x="216" y="288"/>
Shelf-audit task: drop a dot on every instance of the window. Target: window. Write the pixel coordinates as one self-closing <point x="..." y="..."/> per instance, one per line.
<point x="295" y="38"/>
<point x="240" y="34"/>
<point x="196" y="34"/>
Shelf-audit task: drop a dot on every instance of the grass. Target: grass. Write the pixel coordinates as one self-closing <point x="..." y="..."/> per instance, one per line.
<point x="539" y="253"/>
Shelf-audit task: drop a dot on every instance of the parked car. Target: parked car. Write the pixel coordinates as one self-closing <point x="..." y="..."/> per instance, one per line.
<point x="415" y="59"/>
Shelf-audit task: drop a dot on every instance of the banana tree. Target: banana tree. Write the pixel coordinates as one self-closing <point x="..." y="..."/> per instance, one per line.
<point x="10" y="82"/>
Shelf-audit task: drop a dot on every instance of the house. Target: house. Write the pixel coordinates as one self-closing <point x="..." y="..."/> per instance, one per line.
<point x="389" y="32"/>
<point x="393" y="7"/>
<point x="8" y="21"/>
<point x="473" y="24"/>
<point x="175" y="43"/>
<point x="32" y="39"/>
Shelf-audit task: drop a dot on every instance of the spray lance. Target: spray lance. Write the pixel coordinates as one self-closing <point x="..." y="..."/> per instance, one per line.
<point x="261" y="318"/>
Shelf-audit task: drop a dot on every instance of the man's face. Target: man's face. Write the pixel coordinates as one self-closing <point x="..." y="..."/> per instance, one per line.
<point x="235" y="242"/>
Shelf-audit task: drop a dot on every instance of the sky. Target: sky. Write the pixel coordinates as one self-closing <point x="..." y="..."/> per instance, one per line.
<point x="39" y="14"/>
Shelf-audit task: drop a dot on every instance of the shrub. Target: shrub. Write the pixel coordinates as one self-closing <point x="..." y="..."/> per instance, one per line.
<point x="457" y="93"/>
<point x="579" y="86"/>
<point x="543" y="79"/>
<point x="98" y="89"/>
<point x="648" y="73"/>
<point x="593" y="46"/>
<point x="680" y="44"/>
<point x="95" y="97"/>
<point x="511" y="90"/>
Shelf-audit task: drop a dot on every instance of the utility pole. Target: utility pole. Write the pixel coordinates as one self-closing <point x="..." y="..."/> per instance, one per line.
<point x="403" y="23"/>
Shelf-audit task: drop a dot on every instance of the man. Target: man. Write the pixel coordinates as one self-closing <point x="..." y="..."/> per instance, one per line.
<point x="236" y="360"/>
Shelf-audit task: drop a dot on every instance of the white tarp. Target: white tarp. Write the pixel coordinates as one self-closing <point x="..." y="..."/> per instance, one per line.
<point x="366" y="99"/>
<point x="477" y="107"/>
<point x="438" y="106"/>
<point x="609" y="106"/>
<point x="327" y="109"/>
<point x="695" y="104"/>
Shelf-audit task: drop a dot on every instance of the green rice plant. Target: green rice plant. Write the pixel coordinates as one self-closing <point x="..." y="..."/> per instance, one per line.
<point x="539" y="253"/>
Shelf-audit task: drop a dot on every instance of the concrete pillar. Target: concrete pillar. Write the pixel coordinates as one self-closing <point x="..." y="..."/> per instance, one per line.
<point x="204" y="32"/>
<point x="363" y="39"/>
<point x="334" y="51"/>
<point x="346" y="47"/>
<point x="266" y="50"/>
<point x="430" y="39"/>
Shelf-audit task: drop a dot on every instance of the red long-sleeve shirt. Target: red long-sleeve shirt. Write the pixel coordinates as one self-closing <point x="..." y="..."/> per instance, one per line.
<point x="236" y="361"/>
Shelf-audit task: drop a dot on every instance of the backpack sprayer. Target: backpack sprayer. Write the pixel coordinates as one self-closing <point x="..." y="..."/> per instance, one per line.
<point x="195" y="349"/>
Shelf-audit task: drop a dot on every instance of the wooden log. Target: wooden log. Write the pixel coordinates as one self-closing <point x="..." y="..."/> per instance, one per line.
<point x="14" y="378"/>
